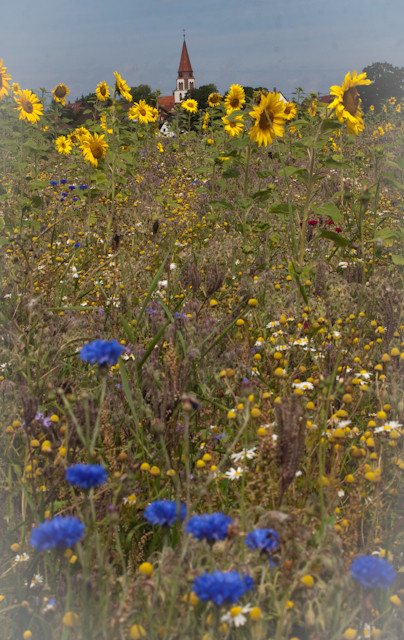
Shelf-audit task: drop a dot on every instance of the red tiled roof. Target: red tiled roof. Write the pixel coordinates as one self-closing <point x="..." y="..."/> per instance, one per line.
<point x="166" y="102"/>
<point x="185" y="63"/>
<point x="325" y="99"/>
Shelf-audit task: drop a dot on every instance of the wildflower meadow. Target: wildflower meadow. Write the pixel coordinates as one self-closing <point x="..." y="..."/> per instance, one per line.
<point x="201" y="361"/>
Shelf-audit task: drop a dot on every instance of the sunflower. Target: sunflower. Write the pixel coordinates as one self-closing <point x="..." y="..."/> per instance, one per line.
<point x="122" y="88"/>
<point x="214" y="99"/>
<point x="81" y="133"/>
<point x="312" y="109"/>
<point x="141" y="111"/>
<point x="205" y="121"/>
<point x="190" y="105"/>
<point x="235" y="98"/>
<point x="63" y="145"/>
<point x="15" y="88"/>
<point x="4" y="81"/>
<point x="155" y="114"/>
<point x="290" y="110"/>
<point x="29" y="106"/>
<point x="269" y="118"/>
<point x="60" y="92"/>
<point x="234" y="126"/>
<point x="94" y="147"/>
<point x="347" y="101"/>
<point x="102" y="92"/>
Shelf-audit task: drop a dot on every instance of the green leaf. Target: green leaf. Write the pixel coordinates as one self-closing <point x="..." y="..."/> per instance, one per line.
<point x="240" y="142"/>
<point x="267" y="173"/>
<point x="330" y="124"/>
<point x="36" y="201"/>
<point x="224" y="204"/>
<point x="231" y="173"/>
<point x="335" y="237"/>
<point x="279" y="208"/>
<point x="288" y="171"/>
<point x="39" y="184"/>
<point x="263" y="226"/>
<point x="329" y="210"/>
<point x="331" y="163"/>
<point x="300" y="123"/>
<point x="398" y="259"/>
<point x="263" y="194"/>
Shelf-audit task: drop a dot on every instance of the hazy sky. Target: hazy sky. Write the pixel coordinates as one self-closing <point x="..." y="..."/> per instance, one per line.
<point x="271" y="43"/>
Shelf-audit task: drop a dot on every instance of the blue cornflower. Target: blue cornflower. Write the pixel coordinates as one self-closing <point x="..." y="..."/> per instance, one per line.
<point x="164" y="512"/>
<point x="373" y="572"/>
<point x="222" y="586"/>
<point x="213" y="526"/>
<point x="65" y="194"/>
<point x="102" y="352"/>
<point x="63" y="181"/>
<point x="83" y="186"/>
<point x="72" y="186"/>
<point x="60" y="532"/>
<point x="86" y="475"/>
<point x="264" y="540"/>
<point x="77" y="245"/>
<point x="53" y="183"/>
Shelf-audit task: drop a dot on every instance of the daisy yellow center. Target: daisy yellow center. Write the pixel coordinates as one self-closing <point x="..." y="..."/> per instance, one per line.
<point x="96" y="149"/>
<point x="60" y="92"/>
<point x="351" y="100"/>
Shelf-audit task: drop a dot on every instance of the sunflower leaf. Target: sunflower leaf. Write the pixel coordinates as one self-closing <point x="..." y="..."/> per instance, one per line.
<point x="329" y="210"/>
<point x="335" y="237"/>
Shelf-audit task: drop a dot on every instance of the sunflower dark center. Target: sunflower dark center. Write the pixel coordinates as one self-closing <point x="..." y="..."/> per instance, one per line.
<point x="351" y="100"/>
<point x="96" y="149"/>
<point x="142" y="111"/>
<point x="60" y="91"/>
<point x="28" y="107"/>
<point x="235" y="102"/>
<point x="265" y="121"/>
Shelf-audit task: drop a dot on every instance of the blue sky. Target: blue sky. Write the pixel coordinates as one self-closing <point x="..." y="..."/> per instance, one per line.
<point x="271" y="43"/>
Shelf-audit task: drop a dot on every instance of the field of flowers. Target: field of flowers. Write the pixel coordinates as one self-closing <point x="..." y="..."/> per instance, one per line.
<point x="201" y="361"/>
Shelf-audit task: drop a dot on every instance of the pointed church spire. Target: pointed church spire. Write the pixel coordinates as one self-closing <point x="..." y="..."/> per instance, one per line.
<point x="185" y="63"/>
<point x="185" y="78"/>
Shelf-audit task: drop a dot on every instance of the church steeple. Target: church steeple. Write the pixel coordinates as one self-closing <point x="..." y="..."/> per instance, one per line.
<point x="185" y="78"/>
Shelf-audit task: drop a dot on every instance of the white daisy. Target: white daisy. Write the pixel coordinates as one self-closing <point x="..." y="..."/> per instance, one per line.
<point x="234" y="474"/>
<point x="236" y="615"/>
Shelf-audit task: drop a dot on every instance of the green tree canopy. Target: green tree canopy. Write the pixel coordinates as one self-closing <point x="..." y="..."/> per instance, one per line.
<point x="141" y="92"/>
<point x="202" y="94"/>
<point x="388" y="82"/>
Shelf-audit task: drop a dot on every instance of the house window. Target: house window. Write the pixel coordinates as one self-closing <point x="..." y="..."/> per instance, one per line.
<point x="180" y="96"/>
<point x="180" y="86"/>
<point x="191" y="84"/>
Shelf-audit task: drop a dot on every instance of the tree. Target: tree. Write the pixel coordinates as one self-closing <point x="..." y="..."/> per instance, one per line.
<point x="388" y="82"/>
<point x="202" y="94"/>
<point x="141" y="92"/>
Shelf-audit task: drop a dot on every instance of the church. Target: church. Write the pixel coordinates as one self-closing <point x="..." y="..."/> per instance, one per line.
<point x="185" y="82"/>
